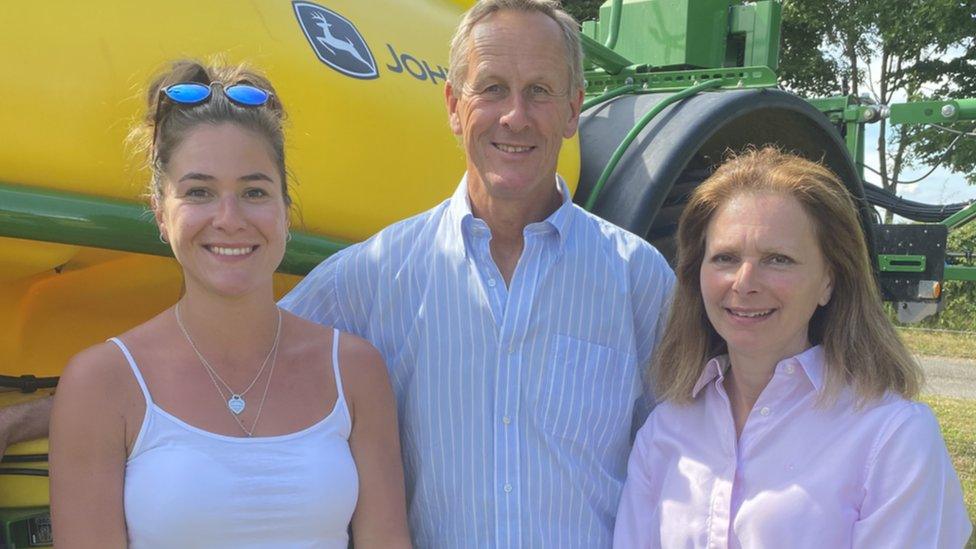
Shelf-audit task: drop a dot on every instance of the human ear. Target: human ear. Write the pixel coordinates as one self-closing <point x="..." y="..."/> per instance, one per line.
<point x="826" y="293"/>
<point x="451" y="100"/>
<point x="155" y="203"/>
<point x="575" y="105"/>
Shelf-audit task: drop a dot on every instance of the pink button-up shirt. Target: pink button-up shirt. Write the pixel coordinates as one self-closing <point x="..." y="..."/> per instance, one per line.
<point x="799" y="476"/>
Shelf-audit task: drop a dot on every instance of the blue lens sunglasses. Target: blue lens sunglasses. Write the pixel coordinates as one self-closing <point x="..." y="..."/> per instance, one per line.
<point x="195" y="93"/>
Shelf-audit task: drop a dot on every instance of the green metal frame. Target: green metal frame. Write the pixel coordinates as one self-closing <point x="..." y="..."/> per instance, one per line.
<point x="69" y="218"/>
<point x="959" y="272"/>
<point x="961" y="217"/>
<point x="603" y="98"/>
<point x="600" y="81"/>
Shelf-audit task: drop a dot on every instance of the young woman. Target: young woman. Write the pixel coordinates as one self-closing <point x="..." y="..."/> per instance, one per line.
<point x="786" y="419"/>
<point x="224" y="421"/>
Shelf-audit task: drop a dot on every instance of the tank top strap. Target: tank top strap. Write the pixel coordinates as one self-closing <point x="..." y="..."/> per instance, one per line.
<point x="135" y="369"/>
<point x="335" y="366"/>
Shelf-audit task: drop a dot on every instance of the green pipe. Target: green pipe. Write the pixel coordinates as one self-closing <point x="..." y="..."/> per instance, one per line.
<point x="68" y="218"/>
<point x="602" y="56"/>
<point x="961" y="217"/>
<point x="615" y="9"/>
<point x="594" y="101"/>
<point x="959" y="272"/>
<point x="967" y="109"/>
<point x="633" y="133"/>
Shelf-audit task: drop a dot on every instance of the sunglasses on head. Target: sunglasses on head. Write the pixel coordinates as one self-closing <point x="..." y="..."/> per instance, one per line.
<point x="195" y="93"/>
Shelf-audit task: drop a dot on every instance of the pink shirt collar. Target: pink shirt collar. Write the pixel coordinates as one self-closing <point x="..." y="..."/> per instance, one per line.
<point x="810" y="361"/>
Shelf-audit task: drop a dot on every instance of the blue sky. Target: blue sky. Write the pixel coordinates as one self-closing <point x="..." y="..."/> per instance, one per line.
<point x="942" y="187"/>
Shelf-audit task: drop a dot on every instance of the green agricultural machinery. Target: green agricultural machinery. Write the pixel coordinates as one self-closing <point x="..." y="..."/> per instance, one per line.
<point x="674" y="84"/>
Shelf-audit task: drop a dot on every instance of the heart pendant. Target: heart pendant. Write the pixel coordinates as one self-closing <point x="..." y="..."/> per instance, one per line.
<point x="236" y="404"/>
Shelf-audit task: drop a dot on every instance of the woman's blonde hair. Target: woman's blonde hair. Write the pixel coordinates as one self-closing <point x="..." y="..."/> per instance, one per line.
<point x="861" y="347"/>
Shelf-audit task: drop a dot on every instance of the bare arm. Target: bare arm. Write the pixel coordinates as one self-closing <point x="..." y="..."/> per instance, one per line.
<point x="88" y="451"/>
<point x="24" y="421"/>
<point x="380" y="519"/>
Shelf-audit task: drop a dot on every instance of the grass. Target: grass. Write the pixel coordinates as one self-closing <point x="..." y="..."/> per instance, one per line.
<point x="939" y="343"/>
<point x="958" y="420"/>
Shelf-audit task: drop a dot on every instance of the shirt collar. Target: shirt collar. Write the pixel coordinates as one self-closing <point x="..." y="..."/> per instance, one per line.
<point x="463" y="220"/>
<point x="811" y="362"/>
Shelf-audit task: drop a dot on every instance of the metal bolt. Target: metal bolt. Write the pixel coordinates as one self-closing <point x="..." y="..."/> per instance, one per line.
<point x="867" y="114"/>
<point x="948" y="110"/>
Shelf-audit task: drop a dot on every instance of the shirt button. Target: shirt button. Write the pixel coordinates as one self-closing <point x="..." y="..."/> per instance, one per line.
<point x="508" y="488"/>
<point x="506" y="420"/>
<point x="764" y="411"/>
<point x="790" y="368"/>
<point x="491" y="282"/>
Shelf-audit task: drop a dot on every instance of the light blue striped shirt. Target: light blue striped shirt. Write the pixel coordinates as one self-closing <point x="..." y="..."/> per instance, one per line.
<point x="517" y="404"/>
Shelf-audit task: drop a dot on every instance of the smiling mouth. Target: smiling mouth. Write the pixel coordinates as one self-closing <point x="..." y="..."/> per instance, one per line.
<point x="230" y="251"/>
<point x="513" y="148"/>
<point x="750" y="314"/>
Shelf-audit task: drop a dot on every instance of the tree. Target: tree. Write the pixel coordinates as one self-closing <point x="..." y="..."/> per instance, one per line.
<point x="583" y="10"/>
<point x="919" y="49"/>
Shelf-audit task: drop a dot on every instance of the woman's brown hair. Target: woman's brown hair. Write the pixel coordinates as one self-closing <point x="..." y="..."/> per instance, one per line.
<point x="861" y="347"/>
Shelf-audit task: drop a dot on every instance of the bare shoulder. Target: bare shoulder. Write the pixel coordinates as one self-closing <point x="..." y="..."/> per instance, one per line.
<point x="359" y="361"/>
<point x="101" y="368"/>
<point x="97" y="384"/>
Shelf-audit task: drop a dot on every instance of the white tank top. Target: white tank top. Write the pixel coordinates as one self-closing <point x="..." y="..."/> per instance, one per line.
<point x="186" y="487"/>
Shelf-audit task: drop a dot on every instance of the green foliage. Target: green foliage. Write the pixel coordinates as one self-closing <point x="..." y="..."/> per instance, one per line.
<point x="583" y="10"/>
<point x="890" y="49"/>
<point x="960" y="297"/>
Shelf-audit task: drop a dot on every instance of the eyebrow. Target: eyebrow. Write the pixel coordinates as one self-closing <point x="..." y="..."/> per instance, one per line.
<point x="197" y="176"/>
<point x="256" y="176"/>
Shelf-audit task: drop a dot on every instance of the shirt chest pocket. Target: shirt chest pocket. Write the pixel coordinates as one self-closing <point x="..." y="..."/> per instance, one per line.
<point x="587" y="393"/>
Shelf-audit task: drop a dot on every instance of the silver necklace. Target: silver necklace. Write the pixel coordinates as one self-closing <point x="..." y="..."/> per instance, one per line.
<point x="264" y="396"/>
<point x="236" y="402"/>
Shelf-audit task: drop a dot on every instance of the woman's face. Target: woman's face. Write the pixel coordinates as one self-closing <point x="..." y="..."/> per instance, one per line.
<point x="763" y="275"/>
<point x="222" y="210"/>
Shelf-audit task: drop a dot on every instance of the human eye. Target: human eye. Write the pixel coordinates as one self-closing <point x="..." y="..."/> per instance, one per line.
<point x="780" y="259"/>
<point x="538" y="90"/>
<point x="492" y="90"/>
<point x="255" y="192"/>
<point x="722" y="258"/>
<point x="197" y="193"/>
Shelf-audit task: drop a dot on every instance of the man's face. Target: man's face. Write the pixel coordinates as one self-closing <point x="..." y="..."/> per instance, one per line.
<point x="516" y="106"/>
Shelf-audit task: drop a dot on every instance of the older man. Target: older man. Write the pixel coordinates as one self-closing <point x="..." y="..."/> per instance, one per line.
<point x="514" y="324"/>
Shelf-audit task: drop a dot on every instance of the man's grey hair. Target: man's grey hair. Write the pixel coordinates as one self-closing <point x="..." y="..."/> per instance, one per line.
<point x="461" y="43"/>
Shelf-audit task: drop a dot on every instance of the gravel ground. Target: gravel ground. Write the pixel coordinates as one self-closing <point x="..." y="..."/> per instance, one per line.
<point x="949" y="377"/>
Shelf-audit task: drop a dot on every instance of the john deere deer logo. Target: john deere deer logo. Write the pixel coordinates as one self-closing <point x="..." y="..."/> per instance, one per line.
<point x="336" y="41"/>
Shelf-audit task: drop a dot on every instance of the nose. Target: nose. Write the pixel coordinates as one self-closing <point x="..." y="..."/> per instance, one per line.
<point x="516" y="115"/>
<point x="229" y="217"/>
<point x="746" y="281"/>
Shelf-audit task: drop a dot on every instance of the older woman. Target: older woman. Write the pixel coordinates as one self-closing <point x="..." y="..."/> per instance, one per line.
<point x="223" y="421"/>
<point x="786" y="418"/>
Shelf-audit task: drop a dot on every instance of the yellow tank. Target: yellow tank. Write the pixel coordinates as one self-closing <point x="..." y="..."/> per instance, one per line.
<point x="367" y="140"/>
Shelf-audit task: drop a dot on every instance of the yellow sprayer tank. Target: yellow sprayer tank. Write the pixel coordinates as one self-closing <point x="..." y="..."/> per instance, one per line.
<point x="367" y="144"/>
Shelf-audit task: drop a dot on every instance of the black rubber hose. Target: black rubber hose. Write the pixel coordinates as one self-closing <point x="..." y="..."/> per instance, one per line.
<point x="28" y="383"/>
<point x="23" y="471"/>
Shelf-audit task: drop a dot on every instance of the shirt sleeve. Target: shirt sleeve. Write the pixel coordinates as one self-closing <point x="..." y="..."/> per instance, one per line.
<point x="653" y="284"/>
<point x="912" y="496"/>
<point x="633" y="529"/>
<point x="319" y="298"/>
